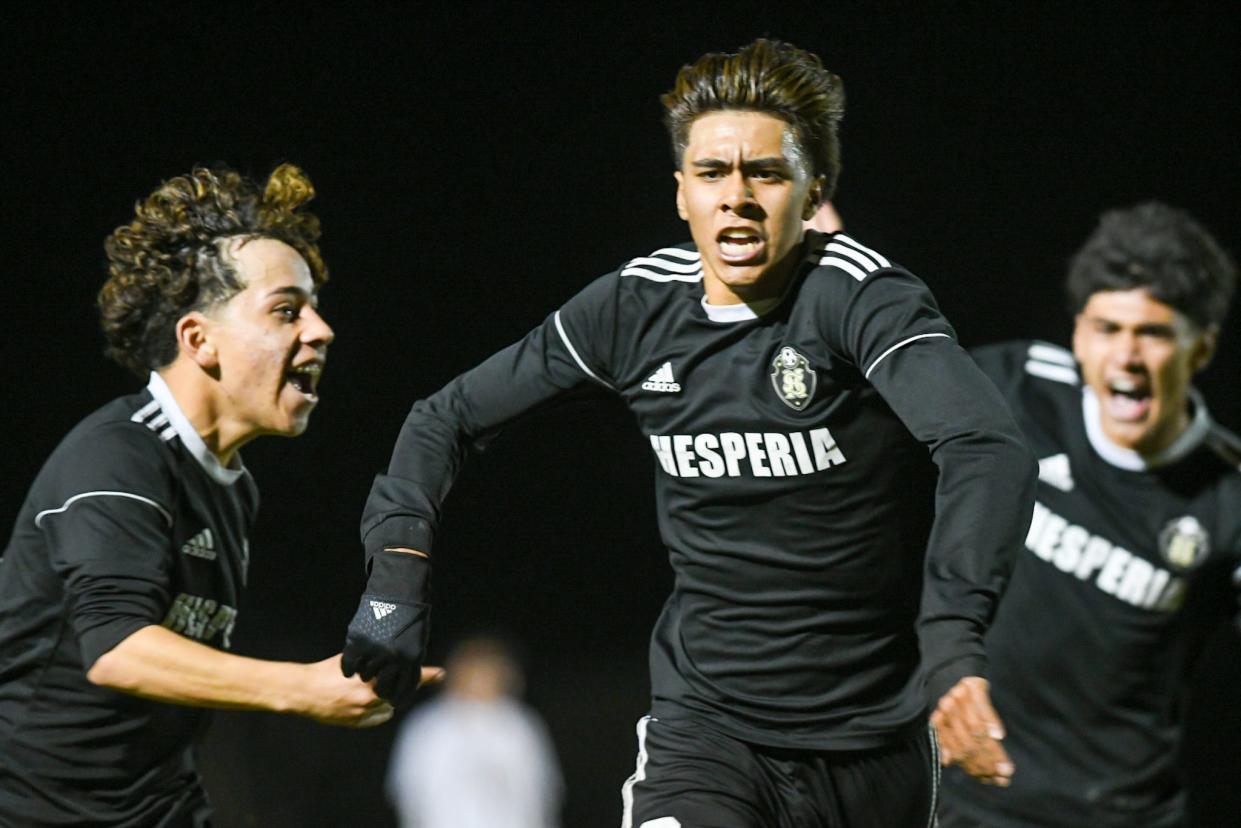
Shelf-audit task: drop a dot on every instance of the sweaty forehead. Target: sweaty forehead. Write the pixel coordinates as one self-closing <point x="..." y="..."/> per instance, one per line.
<point x="751" y="134"/>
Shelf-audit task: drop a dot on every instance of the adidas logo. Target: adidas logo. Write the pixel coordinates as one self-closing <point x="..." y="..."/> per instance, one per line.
<point x="382" y="609"/>
<point x="200" y="546"/>
<point x="1054" y="471"/>
<point x="662" y="380"/>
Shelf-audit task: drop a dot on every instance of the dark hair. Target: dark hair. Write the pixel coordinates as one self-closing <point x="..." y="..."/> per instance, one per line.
<point x="765" y="76"/>
<point x="1161" y="249"/>
<point x="169" y="260"/>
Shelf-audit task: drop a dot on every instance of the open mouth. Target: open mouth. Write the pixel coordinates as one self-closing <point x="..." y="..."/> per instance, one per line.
<point x="1128" y="399"/>
<point x="738" y="245"/>
<point x="305" y="378"/>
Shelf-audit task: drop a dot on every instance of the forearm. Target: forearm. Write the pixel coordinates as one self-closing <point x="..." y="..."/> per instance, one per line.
<point x="158" y="664"/>
<point x="983" y="503"/>
<point x="404" y="505"/>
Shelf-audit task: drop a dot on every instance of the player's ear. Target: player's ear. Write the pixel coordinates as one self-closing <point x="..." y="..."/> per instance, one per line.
<point x="681" y="209"/>
<point x="194" y="339"/>
<point x="1079" y="333"/>
<point x="1204" y="348"/>
<point x="814" y="197"/>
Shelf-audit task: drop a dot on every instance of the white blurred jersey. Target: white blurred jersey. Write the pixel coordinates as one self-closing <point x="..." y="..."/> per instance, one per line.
<point x="471" y="764"/>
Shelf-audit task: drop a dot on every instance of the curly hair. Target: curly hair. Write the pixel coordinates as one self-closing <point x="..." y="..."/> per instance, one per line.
<point x="1161" y="249"/>
<point x="767" y="76"/>
<point x="170" y="259"/>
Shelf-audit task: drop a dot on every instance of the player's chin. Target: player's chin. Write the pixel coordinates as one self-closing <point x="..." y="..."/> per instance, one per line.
<point x="292" y="424"/>
<point x="742" y="277"/>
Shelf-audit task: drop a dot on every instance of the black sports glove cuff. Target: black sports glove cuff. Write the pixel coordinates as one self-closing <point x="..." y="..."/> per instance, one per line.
<point x="400" y="576"/>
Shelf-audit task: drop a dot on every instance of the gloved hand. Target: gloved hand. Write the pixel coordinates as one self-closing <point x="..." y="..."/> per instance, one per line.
<point x="387" y="638"/>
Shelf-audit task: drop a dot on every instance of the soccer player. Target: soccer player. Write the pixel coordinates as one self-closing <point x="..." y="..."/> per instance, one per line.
<point x="799" y="392"/>
<point x="1133" y="552"/>
<point x="120" y="584"/>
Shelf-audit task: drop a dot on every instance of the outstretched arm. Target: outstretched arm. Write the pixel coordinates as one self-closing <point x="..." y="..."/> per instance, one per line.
<point x="162" y="665"/>
<point x="387" y="636"/>
<point x="984" y="498"/>
<point x="983" y="501"/>
<point x="984" y="495"/>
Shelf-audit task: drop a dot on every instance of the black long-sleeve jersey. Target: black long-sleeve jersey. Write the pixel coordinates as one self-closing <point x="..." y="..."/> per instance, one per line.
<point x="794" y="487"/>
<point x="131" y="522"/>
<point x="1128" y="565"/>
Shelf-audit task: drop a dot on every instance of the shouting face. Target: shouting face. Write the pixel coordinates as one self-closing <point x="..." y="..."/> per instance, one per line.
<point x="268" y="343"/>
<point x="1138" y="355"/>
<point x="745" y="189"/>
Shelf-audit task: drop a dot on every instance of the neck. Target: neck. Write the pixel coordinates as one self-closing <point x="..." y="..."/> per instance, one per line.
<point x="196" y="393"/>
<point x="1164" y="437"/>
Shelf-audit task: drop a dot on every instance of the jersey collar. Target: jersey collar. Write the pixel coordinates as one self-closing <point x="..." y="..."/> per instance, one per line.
<point x="740" y="312"/>
<point x="745" y="311"/>
<point x="190" y="438"/>
<point x="1128" y="458"/>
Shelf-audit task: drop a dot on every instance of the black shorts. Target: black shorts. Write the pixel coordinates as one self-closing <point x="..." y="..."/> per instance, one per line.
<point x="689" y="776"/>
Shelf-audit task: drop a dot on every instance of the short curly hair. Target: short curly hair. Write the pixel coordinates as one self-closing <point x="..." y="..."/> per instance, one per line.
<point x="1161" y="249"/>
<point x="767" y="76"/>
<point x="169" y="260"/>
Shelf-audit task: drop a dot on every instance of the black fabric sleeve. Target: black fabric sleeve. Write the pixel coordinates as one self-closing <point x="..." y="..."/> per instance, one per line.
<point x="109" y="534"/>
<point x="985" y="494"/>
<point x="1003" y="363"/>
<point x="573" y="346"/>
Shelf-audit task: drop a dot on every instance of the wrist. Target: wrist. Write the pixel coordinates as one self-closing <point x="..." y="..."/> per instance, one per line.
<point x="284" y="686"/>
<point x="400" y="576"/>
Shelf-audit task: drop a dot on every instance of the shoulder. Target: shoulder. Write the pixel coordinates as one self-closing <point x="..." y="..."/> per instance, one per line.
<point x="108" y="454"/>
<point x="666" y="266"/>
<point x="1225" y="445"/>
<point x="846" y="275"/>
<point x="843" y="257"/>
<point x="119" y="441"/>
<point x="125" y="430"/>
<point x="1041" y="365"/>
<point x="648" y="280"/>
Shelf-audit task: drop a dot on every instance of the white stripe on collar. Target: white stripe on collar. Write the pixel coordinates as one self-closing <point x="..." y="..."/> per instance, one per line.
<point x="1129" y="459"/>
<point x="190" y="438"/>
<point x="742" y="311"/>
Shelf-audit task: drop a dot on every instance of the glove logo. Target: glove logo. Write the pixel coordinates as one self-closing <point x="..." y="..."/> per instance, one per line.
<point x="382" y="609"/>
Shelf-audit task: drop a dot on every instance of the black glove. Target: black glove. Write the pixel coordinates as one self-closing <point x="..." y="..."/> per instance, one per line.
<point x="387" y="638"/>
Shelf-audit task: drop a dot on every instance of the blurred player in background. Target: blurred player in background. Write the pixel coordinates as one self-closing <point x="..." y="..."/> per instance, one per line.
<point x="802" y="395"/>
<point x="1132" y="556"/>
<point x="120" y="584"/>
<point x="476" y="757"/>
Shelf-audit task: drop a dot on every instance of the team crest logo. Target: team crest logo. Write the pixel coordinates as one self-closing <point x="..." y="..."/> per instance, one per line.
<point x="1184" y="542"/>
<point x="793" y="378"/>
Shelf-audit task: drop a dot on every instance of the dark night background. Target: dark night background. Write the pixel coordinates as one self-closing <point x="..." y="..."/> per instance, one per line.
<point x="476" y="167"/>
